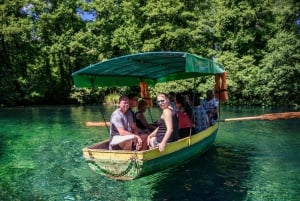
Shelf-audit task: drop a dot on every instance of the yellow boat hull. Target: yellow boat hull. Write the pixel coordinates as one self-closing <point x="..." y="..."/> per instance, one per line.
<point x="128" y="165"/>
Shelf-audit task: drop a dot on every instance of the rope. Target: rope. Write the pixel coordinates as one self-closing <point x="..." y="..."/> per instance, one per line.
<point x="103" y="117"/>
<point x="132" y="163"/>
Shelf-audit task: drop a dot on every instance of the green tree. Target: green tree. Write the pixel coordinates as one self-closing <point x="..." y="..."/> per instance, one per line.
<point x="16" y="50"/>
<point x="43" y="42"/>
<point x="278" y="78"/>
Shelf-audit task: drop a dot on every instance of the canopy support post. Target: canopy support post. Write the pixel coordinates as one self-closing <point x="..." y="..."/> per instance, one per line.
<point x="102" y="114"/>
<point x="101" y="111"/>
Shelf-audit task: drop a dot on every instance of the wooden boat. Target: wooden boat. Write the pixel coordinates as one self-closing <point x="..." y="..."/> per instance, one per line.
<point x="152" y="67"/>
<point x="128" y="165"/>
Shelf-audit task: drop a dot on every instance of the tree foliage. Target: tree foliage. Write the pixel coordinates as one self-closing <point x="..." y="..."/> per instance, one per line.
<point x="43" y="42"/>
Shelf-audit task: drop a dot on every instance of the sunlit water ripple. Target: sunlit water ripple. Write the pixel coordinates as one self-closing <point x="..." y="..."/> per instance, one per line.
<point x="41" y="159"/>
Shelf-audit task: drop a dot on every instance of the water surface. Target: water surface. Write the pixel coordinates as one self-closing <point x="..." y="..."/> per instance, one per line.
<point x="41" y="159"/>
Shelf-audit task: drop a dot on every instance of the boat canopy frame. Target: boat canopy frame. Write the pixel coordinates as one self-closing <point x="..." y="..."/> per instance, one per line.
<point x="151" y="67"/>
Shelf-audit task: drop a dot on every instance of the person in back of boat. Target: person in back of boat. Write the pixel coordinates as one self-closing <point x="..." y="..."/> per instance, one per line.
<point x="188" y="96"/>
<point x="210" y="104"/>
<point x="200" y="117"/>
<point x="141" y="121"/>
<point x="185" y="116"/>
<point x="171" y="97"/>
<point x="133" y="102"/>
<point x="123" y="131"/>
<point x="167" y="130"/>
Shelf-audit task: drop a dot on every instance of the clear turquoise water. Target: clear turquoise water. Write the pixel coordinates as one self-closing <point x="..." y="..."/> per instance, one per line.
<point x="41" y="159"/>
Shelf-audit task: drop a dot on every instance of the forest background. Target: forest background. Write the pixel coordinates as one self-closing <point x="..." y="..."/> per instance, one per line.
<point x="43" y="41"/>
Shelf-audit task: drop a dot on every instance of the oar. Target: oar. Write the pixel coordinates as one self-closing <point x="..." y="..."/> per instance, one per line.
<point x="272" y="116"/>
<point x="98" y="123"/>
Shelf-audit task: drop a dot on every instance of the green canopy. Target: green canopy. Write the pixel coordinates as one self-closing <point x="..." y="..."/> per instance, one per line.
<point x="151" y="67"/>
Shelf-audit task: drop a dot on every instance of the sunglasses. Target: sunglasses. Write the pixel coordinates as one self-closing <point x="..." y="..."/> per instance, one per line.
<point x="160" y="101"/>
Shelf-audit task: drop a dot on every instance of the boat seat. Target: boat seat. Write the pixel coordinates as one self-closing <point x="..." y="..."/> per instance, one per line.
<point x="103" y="145"/>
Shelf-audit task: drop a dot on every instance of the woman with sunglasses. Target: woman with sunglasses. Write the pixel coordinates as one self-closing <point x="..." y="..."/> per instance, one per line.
<point x="167" y="130"/>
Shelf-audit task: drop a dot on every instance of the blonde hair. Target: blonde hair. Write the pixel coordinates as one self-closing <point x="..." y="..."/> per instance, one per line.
<point x="165" y="96"/>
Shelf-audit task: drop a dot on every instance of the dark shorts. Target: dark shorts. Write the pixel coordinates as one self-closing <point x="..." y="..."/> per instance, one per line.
<point x="186" y="132"/>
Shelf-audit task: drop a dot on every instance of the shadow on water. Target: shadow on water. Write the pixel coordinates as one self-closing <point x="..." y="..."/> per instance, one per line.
<point x="2" y="144"/>
<point x="217" y="175"/>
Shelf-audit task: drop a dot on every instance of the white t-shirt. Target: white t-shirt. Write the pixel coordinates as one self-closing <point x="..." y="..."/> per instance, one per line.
<point x="120" y="120"/>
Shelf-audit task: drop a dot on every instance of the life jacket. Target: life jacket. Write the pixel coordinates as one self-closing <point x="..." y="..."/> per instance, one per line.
<point x="145" y="94"/>
<point x="224" y="92"/>
<point x="217" y="86"/>
<point x="221" y="90"/>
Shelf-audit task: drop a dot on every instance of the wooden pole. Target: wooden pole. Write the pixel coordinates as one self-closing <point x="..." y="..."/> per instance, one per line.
<point x="98" y="124"/>
<point x="241" y="119"/>
<point x="272" y="116"/>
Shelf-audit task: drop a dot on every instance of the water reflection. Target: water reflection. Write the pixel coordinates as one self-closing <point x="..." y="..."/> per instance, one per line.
<point x="219" y="174"/>
<point x="41" y="159"/>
